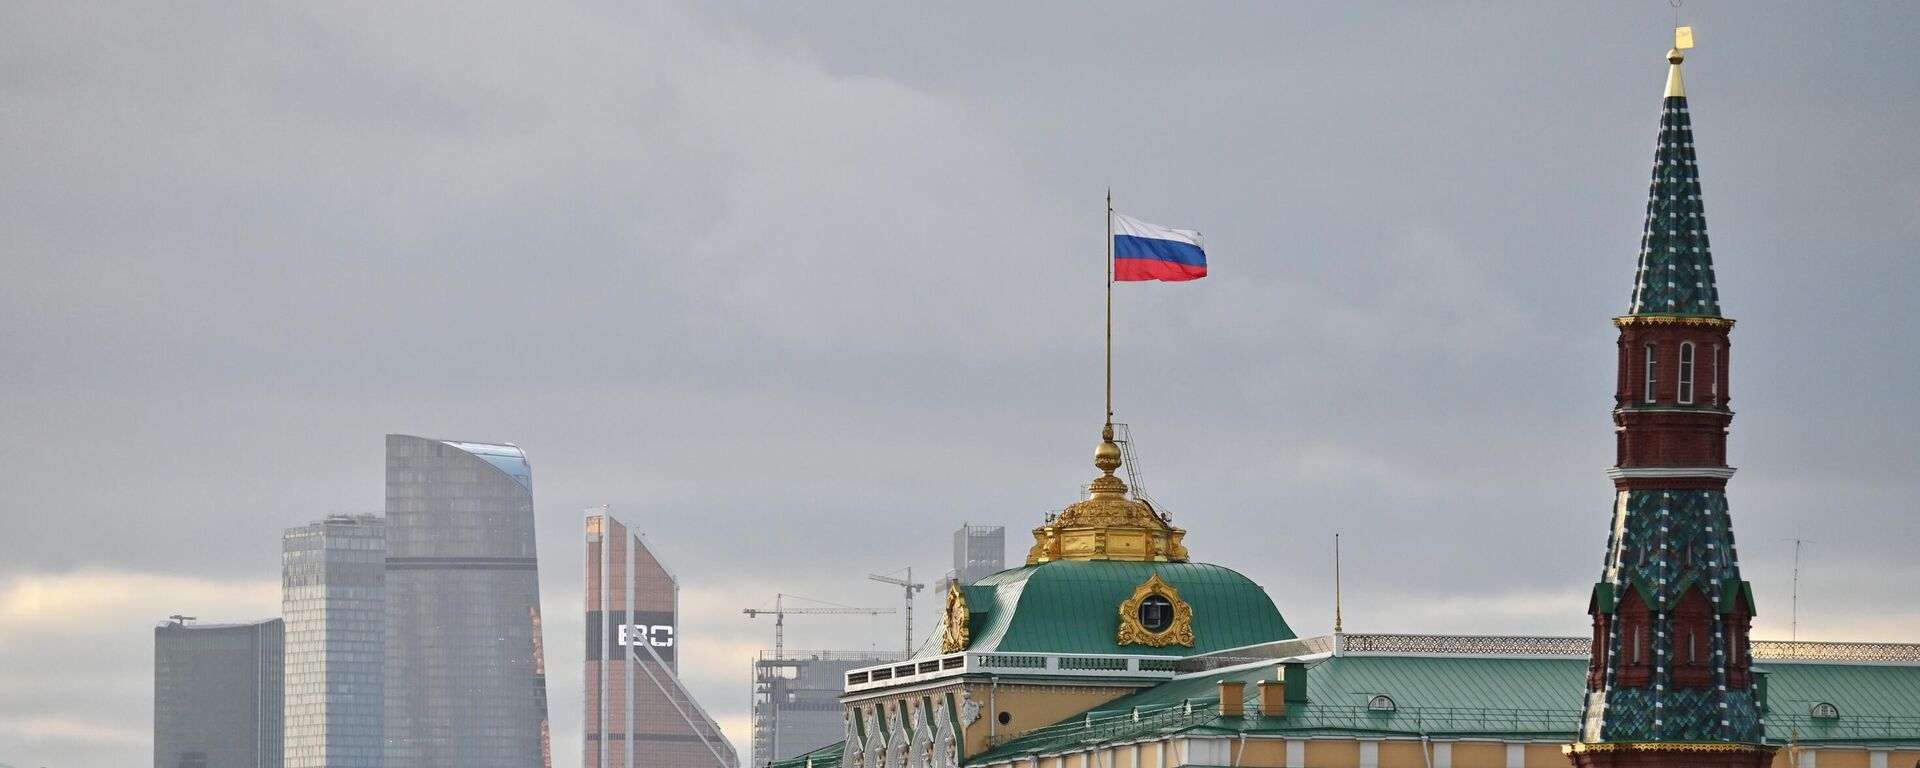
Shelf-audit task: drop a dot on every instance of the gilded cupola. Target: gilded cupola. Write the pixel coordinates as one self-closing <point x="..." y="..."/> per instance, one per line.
<point x="1108" y="525"/>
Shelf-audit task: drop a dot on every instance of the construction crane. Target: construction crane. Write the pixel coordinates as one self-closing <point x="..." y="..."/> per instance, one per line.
<point x="910" y="588"/>
<point x="780" y="612"/>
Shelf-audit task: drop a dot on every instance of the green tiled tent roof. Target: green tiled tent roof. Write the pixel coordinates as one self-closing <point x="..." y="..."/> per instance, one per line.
<point x="1072" y="606"/>
<point x="1676" y="266"/>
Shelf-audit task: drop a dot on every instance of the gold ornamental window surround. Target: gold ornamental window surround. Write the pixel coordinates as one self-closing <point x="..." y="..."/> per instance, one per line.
<point x="1178" y="629"/>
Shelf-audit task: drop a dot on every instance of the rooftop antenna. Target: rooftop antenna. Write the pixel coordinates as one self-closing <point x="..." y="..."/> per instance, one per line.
<point x="1797" y="542"/>
<point x="181" y="621"/>
<point x="1336" y="584"/>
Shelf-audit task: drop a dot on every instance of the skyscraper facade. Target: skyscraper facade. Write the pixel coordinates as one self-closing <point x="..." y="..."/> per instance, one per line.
<point x="333" y="599"/>
<point x="465" y="673"/>
<point x="796" y="700"/>
<point x="217" y="694"/>
<point x="637" y="713"/>
<point x="979" y="551"/>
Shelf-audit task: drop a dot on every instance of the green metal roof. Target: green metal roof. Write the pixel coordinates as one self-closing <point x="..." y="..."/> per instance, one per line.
<point x="827" y="755"/>
<point x="1878" y="704"/>
<point x="1464" y="698"/>
<point x="1073" y="607"/>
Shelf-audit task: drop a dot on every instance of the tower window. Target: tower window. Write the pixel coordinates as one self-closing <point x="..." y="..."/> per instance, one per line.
<point x="1686" y="373"/>
<point x="1716" y="383"/>
<point x="1651" y="377"/>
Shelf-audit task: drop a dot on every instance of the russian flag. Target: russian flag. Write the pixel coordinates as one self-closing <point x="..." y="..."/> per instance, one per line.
<point x="1143" y="251"/>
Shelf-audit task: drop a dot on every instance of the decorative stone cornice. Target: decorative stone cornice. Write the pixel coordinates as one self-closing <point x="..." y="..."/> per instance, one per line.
<point x="1635" y="473"/>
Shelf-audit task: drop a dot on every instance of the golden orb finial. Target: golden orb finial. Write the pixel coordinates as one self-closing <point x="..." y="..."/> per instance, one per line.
<point x="1107" y="525"/>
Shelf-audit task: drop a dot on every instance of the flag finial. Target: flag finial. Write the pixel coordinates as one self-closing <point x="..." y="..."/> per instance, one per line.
<point x="1682" y="41"/>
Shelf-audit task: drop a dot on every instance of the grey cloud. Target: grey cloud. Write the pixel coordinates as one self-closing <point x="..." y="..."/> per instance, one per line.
<point x="831" y="276"/>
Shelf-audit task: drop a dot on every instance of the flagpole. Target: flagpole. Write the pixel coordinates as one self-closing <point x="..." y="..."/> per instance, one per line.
<point x="1109" y="428"/>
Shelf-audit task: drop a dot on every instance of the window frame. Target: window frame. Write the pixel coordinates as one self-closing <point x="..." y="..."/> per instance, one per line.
<point x="1652" y="374"/>
<point x="1715" y="392"/>
<point x="1684" y="393"/>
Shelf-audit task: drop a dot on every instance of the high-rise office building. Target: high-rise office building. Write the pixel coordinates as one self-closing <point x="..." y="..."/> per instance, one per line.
<point x="979" y="551"/>
<point x="217" y="694"/>
<point x="638" y="715"/>
<point x="333" y="598"/>
<point x="465" y="674"/>
<point x="796" y="700"/>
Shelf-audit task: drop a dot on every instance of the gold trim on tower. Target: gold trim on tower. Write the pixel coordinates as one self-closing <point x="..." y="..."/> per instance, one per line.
<point x="1108" y="525"/>
<point x="1180" y="632"/>
<point x="958" y="634"/>
<point x="1715" y="322"/>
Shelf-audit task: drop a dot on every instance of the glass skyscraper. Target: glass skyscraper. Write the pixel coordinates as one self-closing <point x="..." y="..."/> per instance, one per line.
<point x="217" y="694"/>
<point x="638" y="714"/>
<point x="979" y="551"/>
<point x="465" y="678"/>
<point x="333" y="598"/>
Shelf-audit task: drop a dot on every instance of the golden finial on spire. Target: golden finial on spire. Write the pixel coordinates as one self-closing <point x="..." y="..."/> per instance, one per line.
<point x="1682" y="40"/>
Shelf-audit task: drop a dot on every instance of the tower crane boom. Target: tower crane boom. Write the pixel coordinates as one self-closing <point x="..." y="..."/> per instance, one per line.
<point x="780" y="611"/>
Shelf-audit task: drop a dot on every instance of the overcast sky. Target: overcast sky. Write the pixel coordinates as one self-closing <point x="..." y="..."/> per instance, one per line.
<point x="799" y="288"/>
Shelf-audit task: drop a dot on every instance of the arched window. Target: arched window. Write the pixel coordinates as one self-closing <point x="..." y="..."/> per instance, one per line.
<point x="1716" y="385"/>
<point x="1651" y="377"/>
<point x="1825" y="711"/>
<point x="1636" y="667"/>
<point x="1381" y="703"/>
<point x="1686" y="373"/>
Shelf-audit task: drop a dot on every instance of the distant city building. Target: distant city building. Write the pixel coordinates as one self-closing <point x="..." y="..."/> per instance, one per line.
<point x="333" y="598"/>
<point x="465" y="674"/>
<point x="217" y="692"/>
<point x="796" y="700"/>
<point x="637" y="713"/>
<point x="979" y="551"/>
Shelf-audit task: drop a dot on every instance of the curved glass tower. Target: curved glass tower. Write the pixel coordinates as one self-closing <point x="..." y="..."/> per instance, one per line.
<point x="465" y="678"/>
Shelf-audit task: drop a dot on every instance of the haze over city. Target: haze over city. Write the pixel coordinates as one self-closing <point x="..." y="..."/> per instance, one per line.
<point x="796" y="290"/>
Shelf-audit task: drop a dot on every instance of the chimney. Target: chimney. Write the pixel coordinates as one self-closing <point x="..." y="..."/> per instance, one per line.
<point x="1294" y="674"/>
<point x="1273" y="698"/>
<point x="1233" y="698"/>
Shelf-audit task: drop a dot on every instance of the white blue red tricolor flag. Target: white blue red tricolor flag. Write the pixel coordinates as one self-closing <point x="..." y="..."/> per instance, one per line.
<point x="1143" y="251"/>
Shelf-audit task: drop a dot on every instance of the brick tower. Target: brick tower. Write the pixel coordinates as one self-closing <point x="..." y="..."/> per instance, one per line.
<point x="1670" y="683"/>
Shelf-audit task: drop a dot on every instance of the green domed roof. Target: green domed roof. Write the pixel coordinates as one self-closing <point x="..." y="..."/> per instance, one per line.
<point x="1073" y="606"/>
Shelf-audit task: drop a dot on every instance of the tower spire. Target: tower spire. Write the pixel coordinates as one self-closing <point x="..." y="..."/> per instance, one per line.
<point x="1670" y="680"/>
<point x="1676" y="265"/>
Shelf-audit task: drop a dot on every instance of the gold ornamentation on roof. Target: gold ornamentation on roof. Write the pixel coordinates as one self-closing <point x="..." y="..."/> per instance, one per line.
<point x="958" y="634"/>
<point x="1107" y="525"/>
<point x="1716" y="322"/>
<point x="1171" y="617"/>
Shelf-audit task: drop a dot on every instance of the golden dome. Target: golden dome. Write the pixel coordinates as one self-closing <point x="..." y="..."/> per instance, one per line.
<point x="1107" y="525"/>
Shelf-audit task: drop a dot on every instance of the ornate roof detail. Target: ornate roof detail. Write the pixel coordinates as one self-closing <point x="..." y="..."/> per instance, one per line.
<point x="1676" y="266"/>
<point x="1178" y="621"/>
<point x="1108" y="525"/>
